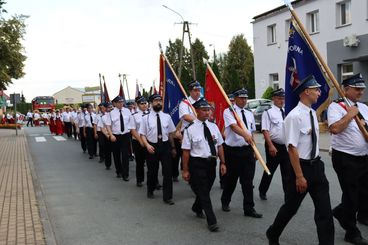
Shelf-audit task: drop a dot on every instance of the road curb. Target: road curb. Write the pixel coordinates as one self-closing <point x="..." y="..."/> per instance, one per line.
<point x="44" y="214"/>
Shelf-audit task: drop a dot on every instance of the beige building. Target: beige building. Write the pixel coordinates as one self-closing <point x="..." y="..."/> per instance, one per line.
<point x="71" y="95"/>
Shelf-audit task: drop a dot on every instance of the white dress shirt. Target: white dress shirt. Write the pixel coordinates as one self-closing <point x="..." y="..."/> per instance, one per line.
<point x="36" y="116"/>
<point x="185" y="109"/>
<point x="350" y="140"/>
<point x="81" y="122"/>
<point x="138" y="119"/>
<point x="298" y="130"/>
<point x="87" y="119"/>
<point x="98" y="122"/>
<point x="195" y="141"/>
<point x="29" y="114"/>
<point x="232" y="138"/>
<point x="273" y="122"/>
<point x="148" y="126"/>
<point x="114" y="121"/>
<point x="66" y="116"/>
<point x="74" y="117"/>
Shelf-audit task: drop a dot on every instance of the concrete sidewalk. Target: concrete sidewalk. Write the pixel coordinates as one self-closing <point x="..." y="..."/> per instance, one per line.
<point x="20" y="221"/>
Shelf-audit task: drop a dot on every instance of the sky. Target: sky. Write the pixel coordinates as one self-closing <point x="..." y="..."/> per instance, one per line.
<point x="69" y="42"/>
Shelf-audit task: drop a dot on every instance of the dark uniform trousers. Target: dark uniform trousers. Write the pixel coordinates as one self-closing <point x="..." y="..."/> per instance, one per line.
<point x="282" y="159"/>
<point x="202" y="175"/>
<point x="318" y="189"/>
<point x="140" y="157"/>
<point x="120" y="151"/>
<point x="107" y="151"/>
<point x="162" y="154"/>
<point x="352" y="172"/>
<point x="74" y="131"/>
<point x="82" y="139"/>
<point x="101" y="145"/>
<point x="68" y="129"/>
<point x="240" y="164"/>
<point x="176" y="159"/>
<point x="91" y="141"/>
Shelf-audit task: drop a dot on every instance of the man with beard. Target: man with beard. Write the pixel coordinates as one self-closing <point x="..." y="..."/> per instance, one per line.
<point x="202" y="143"/>
<point x="157" y="131"/>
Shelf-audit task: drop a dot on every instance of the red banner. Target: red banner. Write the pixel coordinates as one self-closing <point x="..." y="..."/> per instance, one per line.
<point x="216" y="98"/>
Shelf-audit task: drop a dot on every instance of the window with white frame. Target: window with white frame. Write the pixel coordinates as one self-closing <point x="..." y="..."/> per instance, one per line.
<point x="274" y="80"/>
<point x="313" y="22"/>
<point x="271" y="34"/>
<point x="346" y="71"/>
<point x="287" y="29"/>
<point x="343" y="13"/>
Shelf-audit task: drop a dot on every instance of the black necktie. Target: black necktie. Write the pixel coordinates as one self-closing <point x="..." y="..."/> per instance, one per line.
<point x="208" y="136"/>
<point x="159" y="129"/>
<point x="90" y="115"/>
<point x="282" y="113"/>
<point x="314" y="137"/>
<point x="244" y="119"/>
<point x="121" y="122"/>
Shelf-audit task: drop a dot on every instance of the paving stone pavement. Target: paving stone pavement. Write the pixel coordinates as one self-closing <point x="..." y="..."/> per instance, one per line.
<point x="20" y="221"/>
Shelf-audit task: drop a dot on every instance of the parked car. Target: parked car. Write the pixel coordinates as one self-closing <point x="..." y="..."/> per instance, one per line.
<point x="254" y="103"/>
<point x="258" y="114"/>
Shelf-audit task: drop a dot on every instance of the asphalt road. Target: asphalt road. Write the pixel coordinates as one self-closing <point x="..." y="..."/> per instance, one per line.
<point x="87" y="205"/>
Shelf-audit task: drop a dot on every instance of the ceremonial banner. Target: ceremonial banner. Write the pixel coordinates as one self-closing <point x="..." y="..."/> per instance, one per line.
<point x="137" y="92"/>
<point x="121" y="91"/>
<point x="173" y="92"/>
<point x="301" y="62"/>
<point x="106" y="94"/>
<point x="215" y="97"/>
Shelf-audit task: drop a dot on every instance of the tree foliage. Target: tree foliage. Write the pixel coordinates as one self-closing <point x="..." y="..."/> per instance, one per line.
<point x="12" y="56"/>
<point x="199" y="53"/>
<point x="238" y="68"/>
<point x="267" y="94"/>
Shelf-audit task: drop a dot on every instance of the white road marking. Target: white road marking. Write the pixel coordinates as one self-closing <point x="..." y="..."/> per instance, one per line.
<point x="59" y="138"/>
<point x="47" y="134"/>
<point x="32" y="135"/>
<point x="40" y="139"/>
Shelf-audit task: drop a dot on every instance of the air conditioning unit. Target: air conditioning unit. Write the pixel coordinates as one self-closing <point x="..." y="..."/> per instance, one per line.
<point x="351" y="41"/>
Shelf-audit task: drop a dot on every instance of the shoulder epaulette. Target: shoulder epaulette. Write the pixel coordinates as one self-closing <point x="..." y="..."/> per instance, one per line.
<point x="145" y="113"/>
<point x="339" y="100"/>
<point x="135" y="113"/>
<point x="190" y="124"/>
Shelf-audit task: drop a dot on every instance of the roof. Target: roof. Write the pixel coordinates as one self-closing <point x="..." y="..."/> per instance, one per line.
<point x="278" y="9"/>
<point x="69" y="87"/>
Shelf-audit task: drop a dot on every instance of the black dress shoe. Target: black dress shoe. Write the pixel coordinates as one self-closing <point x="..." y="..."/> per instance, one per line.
<point x="118" y="176"/>
<point x="150" y="195"/>
<point x="225" y="208"/>
<point x="169" y="202"/>
<point x="363" y="221"/>
<point x="158" y="187"/>
<point x="139" y="184"/>
<point x="263" y="196"/>
<point x="213" y="228"/>
<point x="107" y="168"/>
<point x="271" y="240"/>
<point x="90" y="157"/>
<point x="126" y="178"/>
<point x="338" y="215"/>
<point x="175" y="179"/>
<point x="358" y="240"/>
<point x="252" y="213"/>
<point x="199" y="214"/>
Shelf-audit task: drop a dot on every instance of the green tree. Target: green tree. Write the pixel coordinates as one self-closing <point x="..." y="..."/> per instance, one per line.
<point x="12" y="58"/>
<point x="238" y="66"/>
<point x="267" y="94"/>
<point x="199" y="53"/>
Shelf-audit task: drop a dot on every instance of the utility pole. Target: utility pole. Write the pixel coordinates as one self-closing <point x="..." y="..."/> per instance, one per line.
<point x="126" y="82"/>
<point x="185" y="30"/>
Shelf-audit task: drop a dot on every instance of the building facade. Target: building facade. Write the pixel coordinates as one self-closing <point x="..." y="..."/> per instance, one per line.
<point x="338" y="28"/>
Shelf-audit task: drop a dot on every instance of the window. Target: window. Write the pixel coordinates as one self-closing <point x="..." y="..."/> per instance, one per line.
<point x="313" y="22"/>
<point x="343" y="12"/>
<point x="287" y="28"/>
<point x="271" y="34"/>
<point x="346" y="71"/>
<point x="274" y="81"/>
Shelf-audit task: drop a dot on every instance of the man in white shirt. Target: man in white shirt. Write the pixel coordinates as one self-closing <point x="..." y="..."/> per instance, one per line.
<point x="301" y="138"/>
<point x="350" y="157"/>
<point x="67" y="121"/>
<point x="239" y="156"/>
<point x="89" y="119"/>
<point x="74" y="120"/>
<point x="29" y="118"/>
<point x="276" y="151"/>
<point x="202" y="143"/>
<point x="157" y="131"/>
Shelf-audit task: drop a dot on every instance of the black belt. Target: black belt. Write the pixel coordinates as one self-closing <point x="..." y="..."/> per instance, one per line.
<point x="208" y="159"/>
<point x="238" y="148"/>
<point x="311" y="161"/>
